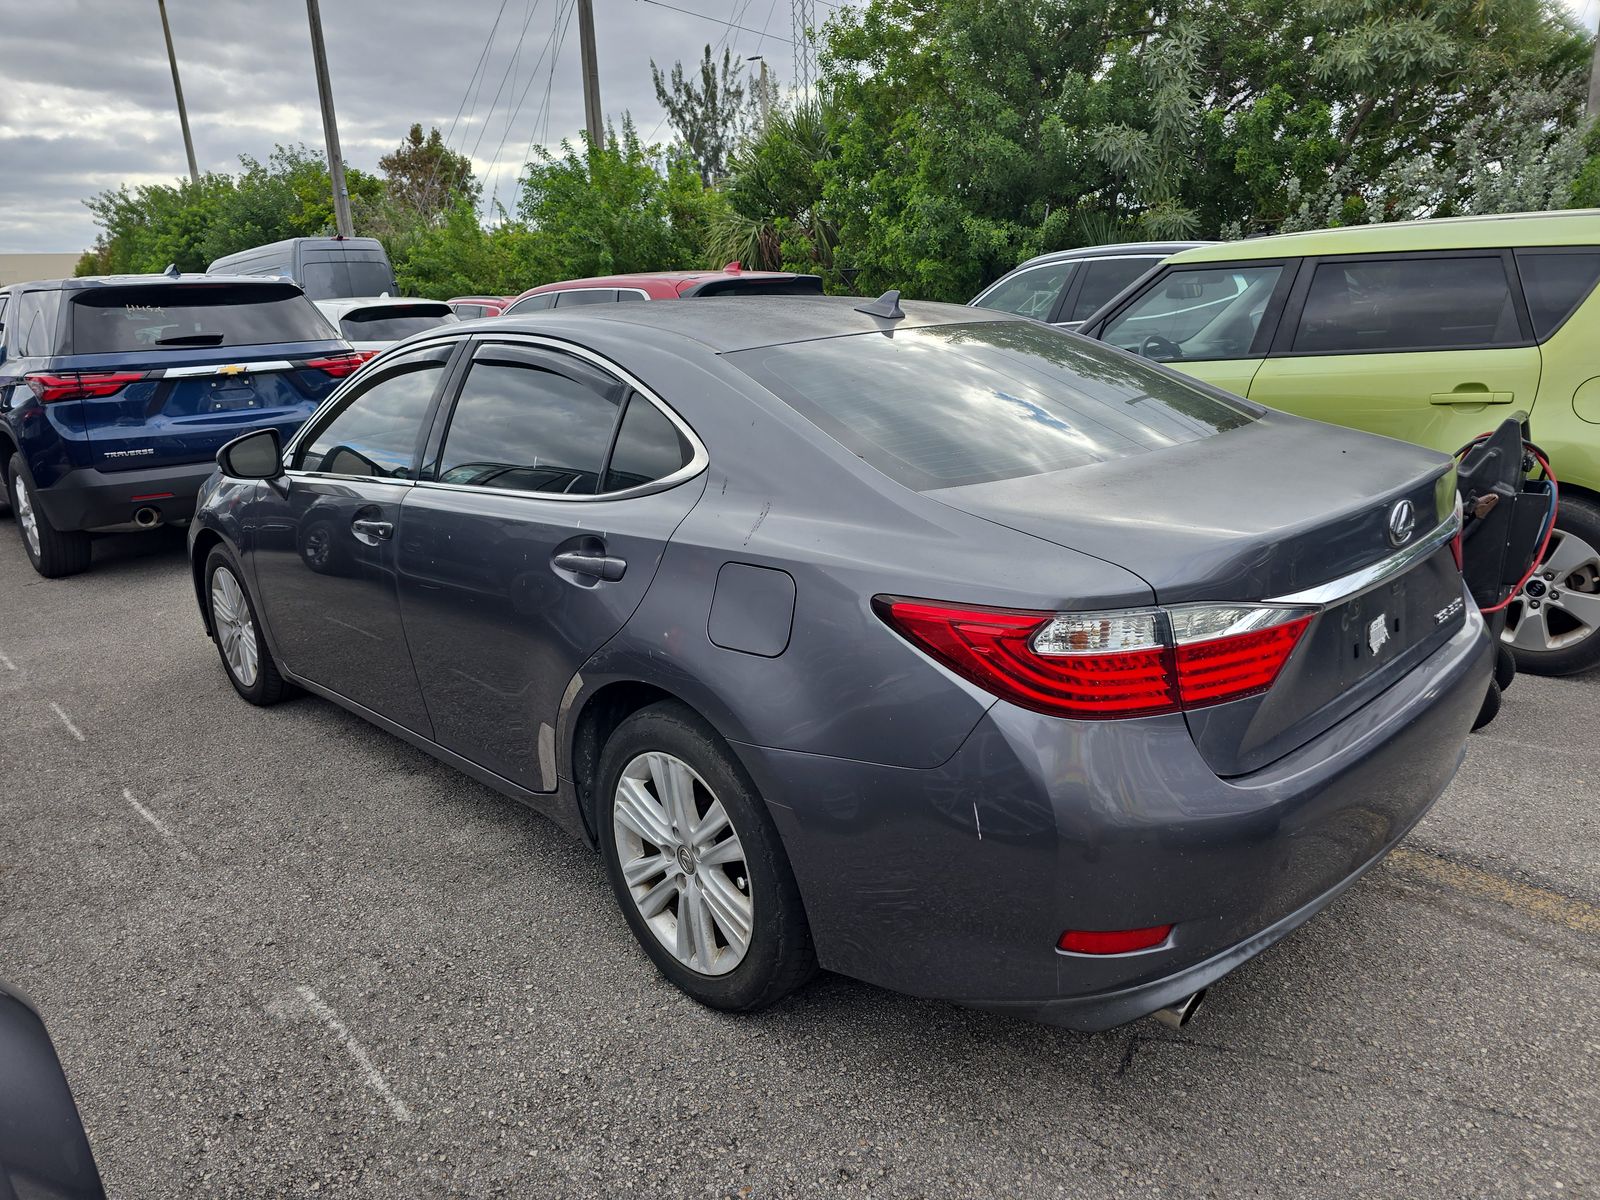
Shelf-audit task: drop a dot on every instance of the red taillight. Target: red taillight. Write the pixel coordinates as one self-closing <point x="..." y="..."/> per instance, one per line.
<point x="1112" y="941"/>
<point x="1103" y="665"/>
<point x="81" y="385"/>
<point x="339" y="365"/>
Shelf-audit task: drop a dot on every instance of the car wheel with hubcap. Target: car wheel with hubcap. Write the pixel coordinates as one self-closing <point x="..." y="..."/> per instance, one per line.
<point x="696" y="863"/>
<point x="1553" y="623"/>
<point x="53" y="552"/>
<point x="234" y="627"/>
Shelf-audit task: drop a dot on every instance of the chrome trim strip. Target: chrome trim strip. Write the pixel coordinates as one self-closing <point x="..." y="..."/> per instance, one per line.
<point x="250" y="368"/>
<point x="1347" y="587"/>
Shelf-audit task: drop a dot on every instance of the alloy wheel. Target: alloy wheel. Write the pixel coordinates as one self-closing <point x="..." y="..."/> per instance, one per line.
<point x="1560" y="605"/>
<point x="683" y="863"/>
<point x="236" y="632"/>
<point x="25" y="515"/>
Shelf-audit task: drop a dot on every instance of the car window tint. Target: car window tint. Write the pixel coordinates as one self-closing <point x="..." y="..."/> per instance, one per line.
<point x="326" y="279"/>
<point x="1029" y="293"/>
<point x="1555" y="283"/>
<point x="586" y="296"/>
<point x="1196" y="313"/>
<point x="649" y="447"/>
<point x="528" y="426"/>
<point x="180" y="316"/>
<point x="375" y="433"/>
<point x="1407" y="304"/>
<point x="532" y="304"/>
<point x="948" y="405"/>
<point x="469" y="312"/>
<point x="1103" y="278"/>
<point x="391" y="322"/>
<point x="624" y="294"/>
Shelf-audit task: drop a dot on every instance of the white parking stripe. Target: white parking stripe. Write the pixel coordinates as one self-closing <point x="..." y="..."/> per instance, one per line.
<point x="374" y="1077"/>
<point x="66" y="720"/>
<point x="159" y="825"/>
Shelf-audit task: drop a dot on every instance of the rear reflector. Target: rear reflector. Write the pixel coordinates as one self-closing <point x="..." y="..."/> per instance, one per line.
<point x="1112" y="941"/>
<point x="1133" y="663"/>
<point x="81" y="385"/>
<point x="339" y="365"/>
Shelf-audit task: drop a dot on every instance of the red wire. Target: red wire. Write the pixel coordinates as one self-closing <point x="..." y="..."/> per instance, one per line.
<point x="1555" y="503"/>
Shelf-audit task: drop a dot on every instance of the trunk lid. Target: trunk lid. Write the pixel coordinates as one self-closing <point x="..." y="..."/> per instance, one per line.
<point x="1262" y="512"/>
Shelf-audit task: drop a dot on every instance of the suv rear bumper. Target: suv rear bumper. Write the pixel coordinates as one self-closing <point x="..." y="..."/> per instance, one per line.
<point x="85" y="498"/>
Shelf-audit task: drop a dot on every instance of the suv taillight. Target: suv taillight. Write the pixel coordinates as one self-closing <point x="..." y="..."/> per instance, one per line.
<point x="81" y="385"/>
<point x="339" y="365"/>
<point x="1132" y="663"/>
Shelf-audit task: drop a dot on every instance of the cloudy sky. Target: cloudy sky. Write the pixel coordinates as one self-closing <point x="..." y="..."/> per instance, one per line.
<point x="87" y="101"/>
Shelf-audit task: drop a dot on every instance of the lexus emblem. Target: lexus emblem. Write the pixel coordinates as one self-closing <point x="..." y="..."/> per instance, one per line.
<point x="1402" y="521"/>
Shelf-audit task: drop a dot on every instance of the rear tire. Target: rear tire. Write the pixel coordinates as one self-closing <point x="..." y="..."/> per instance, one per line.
<point x="724" y="876"/>
<point x="53" y="552"/>
<point x="1490" y="707"/>
<point x="1562" y="635"/>
<point x="237" y="632"/>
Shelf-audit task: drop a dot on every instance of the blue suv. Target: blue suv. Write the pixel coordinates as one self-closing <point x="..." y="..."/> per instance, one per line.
<point x="116" y="393"/>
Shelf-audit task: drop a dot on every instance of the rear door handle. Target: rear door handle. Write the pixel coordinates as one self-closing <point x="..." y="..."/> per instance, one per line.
<point x="1471" y="393"/>
<point x="372" y="532"/>
<point x="582" y="562"/>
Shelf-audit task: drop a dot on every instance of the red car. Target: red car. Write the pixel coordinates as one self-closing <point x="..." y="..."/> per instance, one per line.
<point x="665" y="285"/>
<point x="470" y="308"/>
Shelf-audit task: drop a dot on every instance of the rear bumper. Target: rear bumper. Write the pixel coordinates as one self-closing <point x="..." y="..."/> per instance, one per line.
<point x="956" y="882"/>
<point x="85" y="498"/>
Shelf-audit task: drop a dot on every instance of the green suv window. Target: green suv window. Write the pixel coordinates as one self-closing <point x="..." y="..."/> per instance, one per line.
<point x="1556" y="282"/>
<point x="1407" y="304"/>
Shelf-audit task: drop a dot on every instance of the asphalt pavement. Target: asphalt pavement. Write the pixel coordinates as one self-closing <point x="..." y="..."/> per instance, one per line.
<point x="285" y="954"/>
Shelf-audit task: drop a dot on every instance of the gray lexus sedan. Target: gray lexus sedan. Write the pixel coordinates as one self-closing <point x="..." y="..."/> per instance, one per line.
<point x="939" y="648"/>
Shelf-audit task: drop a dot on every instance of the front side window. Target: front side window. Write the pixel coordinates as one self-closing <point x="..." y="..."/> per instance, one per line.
<point x="1555" y="283"/>
<point x="1407" y="304"/>
<point x="1196" y="313"/>
<point x="531" y="421"/>
<point x="1103" y="279"/>
<point x="1029" y="293"/>
<point x="950" y="405"/>
<point x="374" y="432"/>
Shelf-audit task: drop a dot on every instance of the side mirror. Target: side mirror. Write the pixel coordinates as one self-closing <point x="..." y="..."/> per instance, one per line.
<point x="257" y="455"/>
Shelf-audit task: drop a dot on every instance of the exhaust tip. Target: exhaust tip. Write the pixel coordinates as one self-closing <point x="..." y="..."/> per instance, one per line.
<point x="1176" y="1016"/>
<point x="147" y="517"/>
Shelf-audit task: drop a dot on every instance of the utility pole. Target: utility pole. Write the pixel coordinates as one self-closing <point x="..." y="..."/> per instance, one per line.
<point x="330" y="124"/>
<point x="177" y="86"/>
<point x="763" y="93"/>
<point x="1592" y="108"/>
<point x="592" y="116"/>
<point x="803" y="16"/>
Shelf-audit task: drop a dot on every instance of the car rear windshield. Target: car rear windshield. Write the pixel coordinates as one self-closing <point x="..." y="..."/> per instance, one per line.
<point x="112" y="320"/>
<point x="950" y="405"/>
<point x="392" y="322"/>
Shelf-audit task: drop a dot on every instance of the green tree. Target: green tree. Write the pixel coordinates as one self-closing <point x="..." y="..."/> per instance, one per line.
<point x="775" y="217"/>
<point x="425" y="177"/>
<point x="708" y="117"/>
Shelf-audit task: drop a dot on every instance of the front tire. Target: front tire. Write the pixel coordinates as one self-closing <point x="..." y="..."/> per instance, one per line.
<point x="237" y="632"/>
<point x="1553" y="624"/>
<point x="696" y="864"/>
<point x="53" y="552"/>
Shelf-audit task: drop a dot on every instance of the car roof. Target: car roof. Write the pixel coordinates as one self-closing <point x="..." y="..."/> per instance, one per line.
<point x="728" y="323"/>
<point x="1117" y="250"/>
<point x="1570" y="227"/>
<point x="348" y="304"/>
<point x="197" y="278"/>
<point x="670" y="278"/>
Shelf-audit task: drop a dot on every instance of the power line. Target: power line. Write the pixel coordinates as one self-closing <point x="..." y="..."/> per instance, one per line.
<point x="533" y="77"/>
<point x="482" y="62"/>
<point x="718" y="20"/>
<point x="505" y="75"/>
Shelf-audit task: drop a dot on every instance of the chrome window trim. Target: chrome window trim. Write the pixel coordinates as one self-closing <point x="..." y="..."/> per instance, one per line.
<point x="1347" y="587"/>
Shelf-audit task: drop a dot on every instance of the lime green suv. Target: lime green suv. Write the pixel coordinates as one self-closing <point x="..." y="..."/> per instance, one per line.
<point x="1429" y="331"/>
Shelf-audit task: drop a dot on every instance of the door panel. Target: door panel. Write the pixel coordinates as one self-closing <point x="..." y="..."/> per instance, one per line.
<point x="497" y="629"/>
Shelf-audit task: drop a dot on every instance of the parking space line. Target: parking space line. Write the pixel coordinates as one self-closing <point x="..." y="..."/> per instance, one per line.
<point x="159" y="825"/>
<point x="1537" y="902"/>
<point x="358" y="1055"/>
<point x="66" y="720"/>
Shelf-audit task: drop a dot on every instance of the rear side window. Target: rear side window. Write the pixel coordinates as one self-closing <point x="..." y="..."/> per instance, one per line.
<point x="649" y="447"/>
<point x="1407" y="304"/>
<point x="32" y="331"/>
<point x="113" y="320"/>
<point x="531" y="421"/>
<point x="1555" y="283"/>
<point x="330" y="278"/>
<point x="391" y="322"/>
<point x="1103" y="278"/>
<point x="374" y="432"/>
<point x="470" y="312"/>
<point x="1196" y="313"/>
<point x="961" y="404"/>
<point x="586" y="296"/>
<point x="1029" y="293"/>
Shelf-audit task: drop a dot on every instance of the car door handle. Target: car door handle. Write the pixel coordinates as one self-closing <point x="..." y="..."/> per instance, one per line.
<point x="583" y="562"/>
<point x="1471" y="393"/>
<point x="372" y="532"/>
